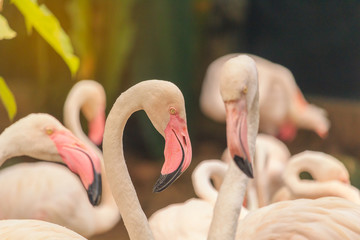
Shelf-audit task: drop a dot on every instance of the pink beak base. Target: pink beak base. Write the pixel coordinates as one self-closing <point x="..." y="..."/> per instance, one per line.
<point x="236" y="132"/>
<point x="97" y="126"/>
<point x="80" y="160"/>
<point x="177" y="153"/>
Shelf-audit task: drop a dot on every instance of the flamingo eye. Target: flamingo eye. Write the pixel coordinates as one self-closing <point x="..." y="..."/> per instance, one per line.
<point x="49" y="131"/>
<point x="245" y="90"/>
<point x="172" y="111"/>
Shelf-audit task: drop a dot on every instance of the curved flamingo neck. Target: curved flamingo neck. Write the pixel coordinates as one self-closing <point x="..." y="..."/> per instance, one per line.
<point x="300" y="188"/>
<point x="228" y="205"/>
<point x="202" y="175"/>
<point x="72" y="107"/>
<point x="107" y="211"/>
<point x="260" y="183"/>
<point x="8" y="149"/>
<point x="121" y="185"/>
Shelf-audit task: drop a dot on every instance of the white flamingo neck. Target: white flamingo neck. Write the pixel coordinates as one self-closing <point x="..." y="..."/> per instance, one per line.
<point x="315" y="189"/>
<point x="79" y="95"/>
<point x="202" y="175"/>
<point x="228" y="205"/>
<point x="253" y="125"/>
<point x="120" y="182"/>
<point x="72" y="108"/>
<point x="8" y="149"/>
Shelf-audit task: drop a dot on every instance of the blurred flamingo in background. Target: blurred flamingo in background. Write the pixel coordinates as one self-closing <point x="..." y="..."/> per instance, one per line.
<point x="89" y="97"/>
<point x="31" y="189"/>
<point x="271" y="158"/>
<point x="283" y="107"/>
<point x="331" y="178"/>
<point x="85" y="220"/>
<point x="207" y="178"/>
<point x="36" y="230"/>
<point x="308" y="219"/>
<point x="191" y="219"/>
<point x="325" y="218"/>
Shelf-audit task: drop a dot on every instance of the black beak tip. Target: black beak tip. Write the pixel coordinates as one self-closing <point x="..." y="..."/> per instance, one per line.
<point x="244" y="165"/>
<point x="166" y="180"/>
<point x="94" y="191"/>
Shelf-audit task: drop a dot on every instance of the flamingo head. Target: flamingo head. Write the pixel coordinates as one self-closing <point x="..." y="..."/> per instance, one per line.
<point x="93" y="109"/>
<point x="239" y="90"/>
<point x="165" y="108"/>
<point x="43" y="137"/>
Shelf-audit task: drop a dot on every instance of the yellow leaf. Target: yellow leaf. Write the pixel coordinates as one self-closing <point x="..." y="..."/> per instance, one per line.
<point x="49" y="28"/>
<point x="8" y="99"/>
<point x="5" y="31"/>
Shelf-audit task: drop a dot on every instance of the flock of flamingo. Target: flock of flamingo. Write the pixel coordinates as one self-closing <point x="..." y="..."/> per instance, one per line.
<point x="253" y="192"/>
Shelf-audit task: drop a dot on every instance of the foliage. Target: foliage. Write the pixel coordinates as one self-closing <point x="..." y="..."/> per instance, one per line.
<point x="8" y="99"/>
<point x="49" y="28"/>
<point x="103" y="33"/>
<point x="81" y="18"/>
<point x="5" y="31"/>
<point x="6" y="95"/>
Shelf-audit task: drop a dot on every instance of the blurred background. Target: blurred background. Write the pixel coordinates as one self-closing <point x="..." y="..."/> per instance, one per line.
<point x="120" y="43"/>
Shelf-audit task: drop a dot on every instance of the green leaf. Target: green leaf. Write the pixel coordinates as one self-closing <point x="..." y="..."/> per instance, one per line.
<point x="49" y="28"/>
<point x="8" y="99"/>
<point x="5" y="31"/>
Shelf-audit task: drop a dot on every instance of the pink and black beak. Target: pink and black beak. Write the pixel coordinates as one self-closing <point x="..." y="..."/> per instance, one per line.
<point x="237" y="137"/>
<point x="177" y="152"/>
<point x="80" y="160"/>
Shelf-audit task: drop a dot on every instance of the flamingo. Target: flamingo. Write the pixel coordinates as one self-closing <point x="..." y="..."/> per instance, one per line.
<point x="283" y="107"/>
<point x="331" y="178"/>
<point x="271" y="157"/>
<point x="191" y="219"/>
<point x="206" y="172"/>
<point x="43" y="137"/>
<point x="164" y="104"/>
<point x="35" y="230"/>
<point x="324" y="218"/>
<point x="86" y="220"/>
<point x="89" y="97"/>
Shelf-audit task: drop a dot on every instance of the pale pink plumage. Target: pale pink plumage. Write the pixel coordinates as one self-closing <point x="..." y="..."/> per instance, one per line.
<point x="324" y="218"/>
<point x="191" y="219"/>
<point x="328" y="218"/>
<point x="47" y="191"/>
<point x="29" y="187"/>
<point x="120" y="182"/>
<point x="164" y="105"/>
<point x="282" y="106"/>
<point x="271" y="158"/>
<point x="331" y="178"/>
<point x="35" y="230"/>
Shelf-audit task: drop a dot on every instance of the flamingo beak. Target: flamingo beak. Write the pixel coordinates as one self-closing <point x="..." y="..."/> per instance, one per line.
<point x="177" y="153"/>
<point x="97" y="126"/>
<point x="236" y="132"/>
<point x="82" y="161"/>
